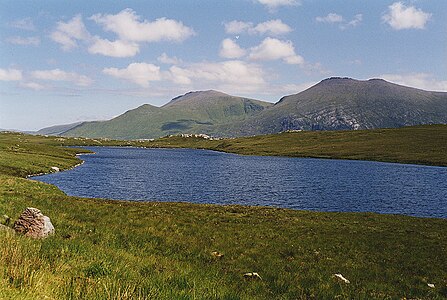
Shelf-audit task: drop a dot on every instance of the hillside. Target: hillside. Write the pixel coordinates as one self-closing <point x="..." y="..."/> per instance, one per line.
<point x="193" y="112"/>
<point x="344" y="104"/>
<point x="57" y="130"/>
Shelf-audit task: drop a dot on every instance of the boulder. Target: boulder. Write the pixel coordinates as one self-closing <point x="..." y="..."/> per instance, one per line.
<point x="34" y="224"/>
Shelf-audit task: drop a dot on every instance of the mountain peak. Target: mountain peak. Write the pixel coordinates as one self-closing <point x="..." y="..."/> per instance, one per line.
<point x="198" y="93"/>
<point x="351" y="80"/>
<point x="197" y="96"/>
<point x="338" y="80"/>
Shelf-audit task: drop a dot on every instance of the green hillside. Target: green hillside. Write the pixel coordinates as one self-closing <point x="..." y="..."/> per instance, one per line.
<point x="195" y="112"/>
<point x="57" y="130"/>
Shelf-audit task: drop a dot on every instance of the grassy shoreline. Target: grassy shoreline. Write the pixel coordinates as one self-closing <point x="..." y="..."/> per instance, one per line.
<point x="424" y="145"/>
<point x="107" y="249"/>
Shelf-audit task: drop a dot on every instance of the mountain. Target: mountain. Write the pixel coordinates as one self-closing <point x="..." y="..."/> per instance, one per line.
<point x="343" y="103"/>
<point x="57" y="130"/>
<point x="194" y="112"/>
<point x="333" y="104"/>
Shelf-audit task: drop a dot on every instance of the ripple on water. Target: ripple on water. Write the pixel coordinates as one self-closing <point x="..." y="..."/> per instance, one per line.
<point x="203" y="176"/>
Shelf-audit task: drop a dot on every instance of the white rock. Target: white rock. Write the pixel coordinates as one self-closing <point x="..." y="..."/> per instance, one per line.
<point x="431" y="285"/>
<point x="34" y="224"/>
<point x="252" y="275"/>
<point x="56" y="169"/>
<point x="342" y="278"/>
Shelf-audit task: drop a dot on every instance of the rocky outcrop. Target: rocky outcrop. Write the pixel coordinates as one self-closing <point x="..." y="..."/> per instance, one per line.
<point x="32" y="223"/>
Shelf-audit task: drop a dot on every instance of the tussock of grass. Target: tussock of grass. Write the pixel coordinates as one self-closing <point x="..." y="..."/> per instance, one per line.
<point x="125" y="250"/>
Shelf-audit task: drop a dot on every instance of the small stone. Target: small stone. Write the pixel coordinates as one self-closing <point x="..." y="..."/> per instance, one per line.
<point x="342" y="278"/>
<point x="217" y="254"/>
<point x="252" y="275"/>
<point x="431" y="285"/>
<point x="55" y="169"/>
<point x="32" y="223"/>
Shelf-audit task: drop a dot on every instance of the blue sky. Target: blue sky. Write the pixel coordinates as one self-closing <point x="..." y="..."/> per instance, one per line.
<point x="69" y="61"/>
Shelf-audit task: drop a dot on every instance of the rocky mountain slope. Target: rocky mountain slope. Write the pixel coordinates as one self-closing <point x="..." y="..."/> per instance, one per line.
<point x="344" y="103"/>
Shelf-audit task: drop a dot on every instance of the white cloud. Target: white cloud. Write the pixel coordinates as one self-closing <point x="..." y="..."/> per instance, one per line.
<point x="24" y="41"/>
<point x="165" y="59"/>
<point x="179" y="75"/>
<point x="230" y="49"/>
<point x="272" y="27"/>
<point x="116" y="48"/>
<point x="234" y="75"/>
<point x="418" y="80"/>
<point x="24" y="24"/>
<point x="139" y="73"/>
<point x="237" y="27"/>
<point x="59" y="75"/>
<point x="273" y="49"/>
<point x="32" y="85"/>
<point x="10" y="75"/>
<point x="273" y="4"/>
<point x="333" y="18"/>
<point x="358" y="18"/>
<point x="400" y="17"/>
<point x="68" y="33"/>
<point x="129" y="27"/>
<point x="330" y="18"/>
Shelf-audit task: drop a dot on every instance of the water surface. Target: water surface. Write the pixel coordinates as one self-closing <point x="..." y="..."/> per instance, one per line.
<point x="203" y="176"/>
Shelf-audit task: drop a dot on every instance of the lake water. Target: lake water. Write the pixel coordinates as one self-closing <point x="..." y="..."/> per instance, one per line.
<point x="202" y="176"/>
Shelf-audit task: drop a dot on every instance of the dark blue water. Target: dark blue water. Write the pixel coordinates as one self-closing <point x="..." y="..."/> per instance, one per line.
<point x="202" y="176"/>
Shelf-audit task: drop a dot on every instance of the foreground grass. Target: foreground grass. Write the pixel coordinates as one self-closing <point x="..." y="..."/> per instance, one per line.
<point x="126" y="250"/>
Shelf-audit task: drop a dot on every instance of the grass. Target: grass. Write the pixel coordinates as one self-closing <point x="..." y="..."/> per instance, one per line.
<point x="106" y="249"/>
<point x="425" y="145"/>
<point x="417" y="145"/>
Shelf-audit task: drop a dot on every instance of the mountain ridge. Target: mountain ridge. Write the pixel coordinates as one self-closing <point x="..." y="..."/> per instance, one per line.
<point x="336" y="103"/>
<point x="193" y="112"/>
<point x="344" y="103"/>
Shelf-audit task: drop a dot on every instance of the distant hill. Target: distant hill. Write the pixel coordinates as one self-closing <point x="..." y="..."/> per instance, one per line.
<point x="344" y="103"/>
<point x="194" y="112"/>
<point x="333" y="104"/>
<point x="57" y="130"/>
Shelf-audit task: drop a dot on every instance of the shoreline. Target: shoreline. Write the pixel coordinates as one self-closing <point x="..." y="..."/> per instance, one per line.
<point x="269" y="155"/>
<point x="237" y="204"/>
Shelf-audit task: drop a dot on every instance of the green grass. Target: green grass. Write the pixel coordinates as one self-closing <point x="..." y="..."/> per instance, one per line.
<point x="106" y="249"/>
<point x="418" y="145"/>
